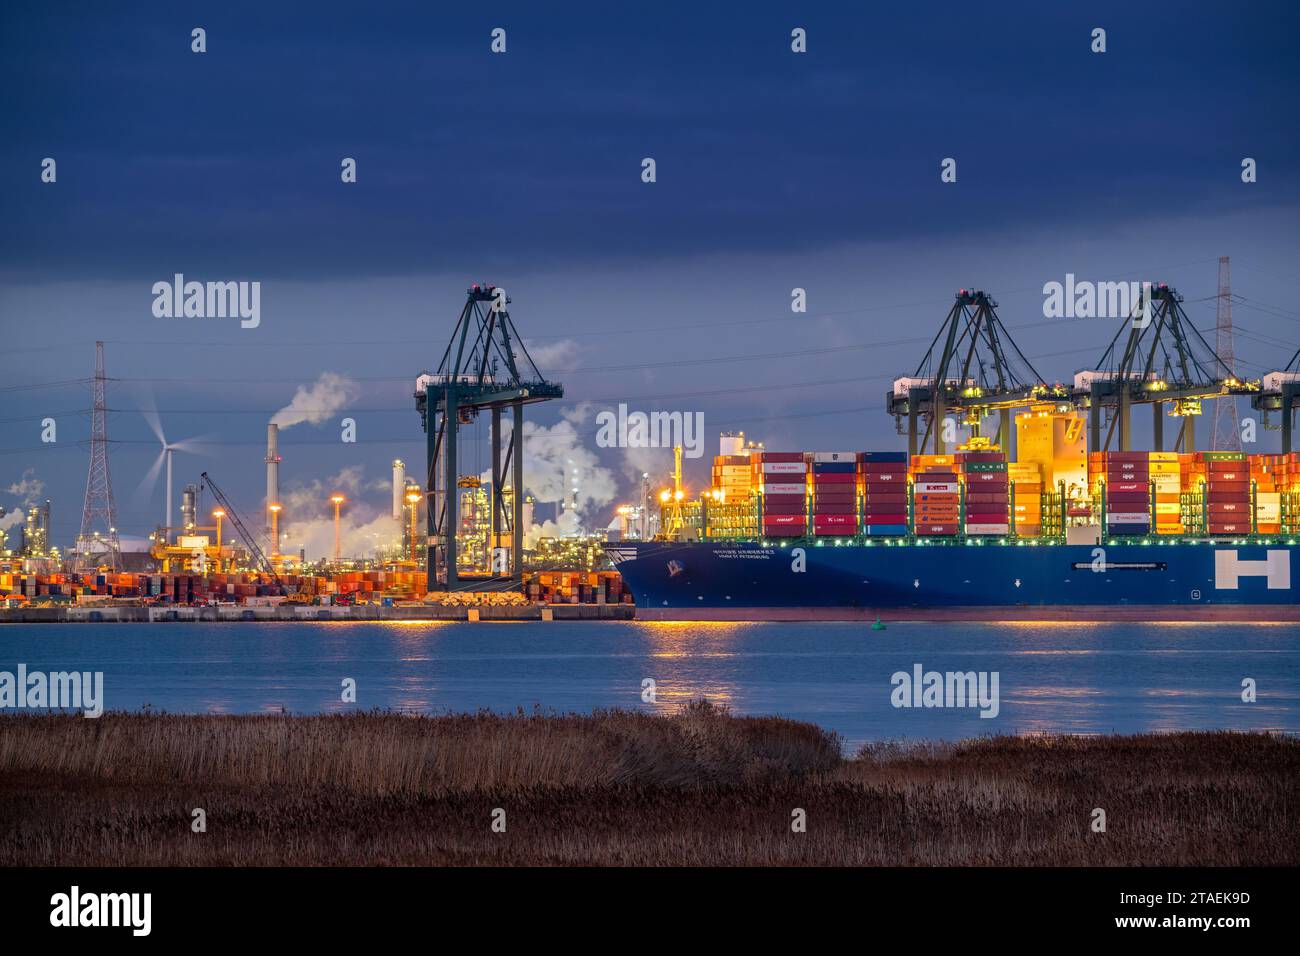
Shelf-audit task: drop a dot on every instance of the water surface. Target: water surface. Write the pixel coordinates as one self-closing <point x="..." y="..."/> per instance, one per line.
<point x="1084" y="678"/>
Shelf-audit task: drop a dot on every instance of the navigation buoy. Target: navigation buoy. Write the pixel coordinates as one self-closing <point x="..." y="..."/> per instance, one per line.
<point x="878" y="626"/>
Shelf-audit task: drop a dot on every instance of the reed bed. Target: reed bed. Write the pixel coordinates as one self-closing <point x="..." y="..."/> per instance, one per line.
<point x="700" y="787"/>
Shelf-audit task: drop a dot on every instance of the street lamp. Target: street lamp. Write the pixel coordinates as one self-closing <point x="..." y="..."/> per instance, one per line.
<point x="413" y="499"/>
<point x="218" y="514"/>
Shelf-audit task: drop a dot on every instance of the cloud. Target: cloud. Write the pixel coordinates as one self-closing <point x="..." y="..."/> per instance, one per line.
<point x="555" y="356"/>
<point x="317" y="402"/>
<point x="556" y="463"/>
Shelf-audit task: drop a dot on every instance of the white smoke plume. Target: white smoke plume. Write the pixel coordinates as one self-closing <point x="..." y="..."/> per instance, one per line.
<point x="567" y="523"/>
<point x="556" y="463"/>
<point x="29" y="488"/>
<point x="315" y="403"/>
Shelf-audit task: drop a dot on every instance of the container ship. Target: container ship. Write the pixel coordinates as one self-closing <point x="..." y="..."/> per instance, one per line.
<point x="1059" y="533"/>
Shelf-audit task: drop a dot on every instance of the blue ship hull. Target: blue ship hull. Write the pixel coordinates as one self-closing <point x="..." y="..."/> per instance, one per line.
<point x="807" y="581"/>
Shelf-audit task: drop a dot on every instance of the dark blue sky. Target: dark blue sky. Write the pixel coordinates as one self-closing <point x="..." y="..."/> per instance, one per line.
<point x="775" y="170"/>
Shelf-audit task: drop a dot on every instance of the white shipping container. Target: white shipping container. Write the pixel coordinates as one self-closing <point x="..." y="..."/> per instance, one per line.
<point x="937" y="487"/>
<point x="784" y="489"/>
<point x="1128" y="517"/>
<point x="987" y="528"/>
<point x="784" y="468"/>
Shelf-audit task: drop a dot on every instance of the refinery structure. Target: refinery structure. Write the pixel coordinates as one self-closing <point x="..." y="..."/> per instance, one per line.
<point x="994" y="454"/>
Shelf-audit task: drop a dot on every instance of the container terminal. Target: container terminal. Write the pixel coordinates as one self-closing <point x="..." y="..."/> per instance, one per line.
<point x="1052" y="515"/>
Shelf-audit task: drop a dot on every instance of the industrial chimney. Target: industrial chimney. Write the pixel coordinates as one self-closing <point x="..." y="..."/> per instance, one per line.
<point x="272" y="470"/>
<point x="399" y="489"/>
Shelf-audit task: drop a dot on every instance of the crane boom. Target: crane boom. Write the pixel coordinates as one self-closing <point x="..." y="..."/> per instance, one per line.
<point x="249" y="541"/>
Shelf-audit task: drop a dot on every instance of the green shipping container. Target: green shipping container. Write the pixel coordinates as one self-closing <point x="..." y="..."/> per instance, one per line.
<point x="986" y="466"/>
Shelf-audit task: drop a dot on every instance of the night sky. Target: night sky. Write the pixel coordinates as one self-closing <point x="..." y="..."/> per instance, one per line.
<point x="775" y="170"/>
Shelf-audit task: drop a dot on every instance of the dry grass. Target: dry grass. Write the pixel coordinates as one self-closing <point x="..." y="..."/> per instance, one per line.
<point x="698" y="788"/>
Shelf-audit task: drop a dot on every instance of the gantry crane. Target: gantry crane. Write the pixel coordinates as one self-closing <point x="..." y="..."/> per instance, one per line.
<point x="1162" y="358"/>
<point x="1280" y="390"/>
<point x="481" y="369"/>
<point x="973" y="366"/>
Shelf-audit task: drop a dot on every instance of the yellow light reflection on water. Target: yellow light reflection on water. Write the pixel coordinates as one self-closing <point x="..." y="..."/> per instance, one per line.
<point x="677" y="647"/>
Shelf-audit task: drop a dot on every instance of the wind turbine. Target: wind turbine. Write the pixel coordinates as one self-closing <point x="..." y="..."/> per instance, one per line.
<point x="189" y="445"/>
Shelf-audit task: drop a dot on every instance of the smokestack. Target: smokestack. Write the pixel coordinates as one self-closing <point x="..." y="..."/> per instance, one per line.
<point x="272" y="470"/>
<point x="399" y="489"/>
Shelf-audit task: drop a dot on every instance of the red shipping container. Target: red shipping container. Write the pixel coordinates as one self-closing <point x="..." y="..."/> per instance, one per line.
<point x="784" y="498"/>
<point x="980" y="497"/>
<point x="983" y="508"/>
<point x="834" y="521"/>
<point x="1229" y="527"/>
<point x="834" y="478"/>
<point x="836" y="499"/>
<point x="783" y="507"/>
<point x="1120" y="456"/>
<point x="882" y="468"/>
<point x="875" y="501"/>
<point x="1228" y="487"/>
<point x="986" y="477"/>
<point x="779" y="456"/>
<point x="1128" y="486"/>
<point x="1217" y="466"/>
<point x="1128" y="497"/>
<point x="936" y="529"/>
<point x="884" y="477"/>
<point x="981" y="456"/>
<point x="886" y="518"/>
<point x="773" y="521"/>
<point x="886" y="488"/>
<point x="1229" y="507"/>
<point x="835" y="508"/>
<point x="796" y="531"/>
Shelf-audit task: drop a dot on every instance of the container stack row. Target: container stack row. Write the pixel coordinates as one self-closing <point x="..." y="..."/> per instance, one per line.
<point x="1026" y="480"/>
<point x="1122" y="478"/>
<point x="782" y="478"/>
<point x="1264" y="474"/>
<point x="733" y="476"/>
<point x="882" y="478"/>
<point x="832" y="479"/>
<point x="1165" y="473"/>
<point x="988" y="503"/>
<point x="1227" y="492"/>
<point x="936" y="496"/>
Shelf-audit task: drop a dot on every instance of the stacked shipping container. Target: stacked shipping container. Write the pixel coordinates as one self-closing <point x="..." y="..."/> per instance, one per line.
<point x="782" y="478"/>
<point x="1227" y="492"/>
<point x="882" y="479"/>
<point x="732" y="475"/>
<point x="1268" y="492"/>
<point x="833" y="482"/>
<point x="1165" y="473"/>
<point x="1123" y="478"/>
<point x="1026" y="482"/>
<point x="984" y="473"/>
<point x="936" y="495"/>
